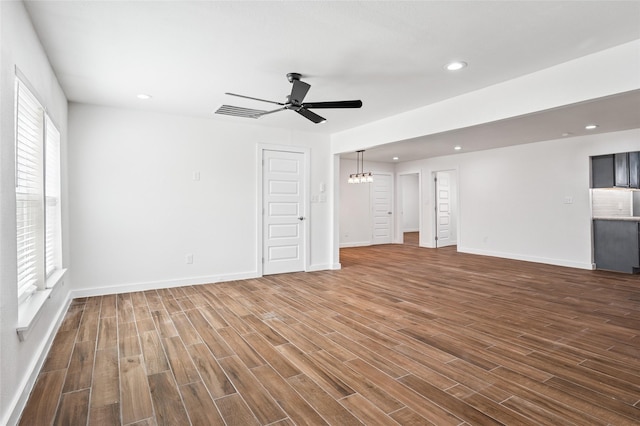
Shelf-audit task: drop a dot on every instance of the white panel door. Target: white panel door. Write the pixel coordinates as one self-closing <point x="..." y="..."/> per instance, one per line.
<point x="283" y="212"/>
<point x="382" y="212"/>
<point x="443" y="210"/>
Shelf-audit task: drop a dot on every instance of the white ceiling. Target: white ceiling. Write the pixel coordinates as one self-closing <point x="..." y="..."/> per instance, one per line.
<point x="390" y="54"/>
<point x="612" y="113"/>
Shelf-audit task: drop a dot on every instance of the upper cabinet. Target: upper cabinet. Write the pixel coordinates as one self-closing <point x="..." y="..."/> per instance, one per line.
<point x="620" y="170"/>
<point x="621" y="162"/>
<point x="634" y="169"/>
<point x="602" y="171"/>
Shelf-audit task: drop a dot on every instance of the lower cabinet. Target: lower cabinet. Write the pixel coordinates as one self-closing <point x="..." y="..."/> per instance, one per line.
<point x="617" y="245"/>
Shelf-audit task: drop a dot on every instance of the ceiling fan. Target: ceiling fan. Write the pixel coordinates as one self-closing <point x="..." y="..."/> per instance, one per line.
<point x="294" y="102"/>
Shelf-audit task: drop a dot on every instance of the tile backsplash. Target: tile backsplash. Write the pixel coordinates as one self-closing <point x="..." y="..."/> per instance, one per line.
<point x="612" y="202"/>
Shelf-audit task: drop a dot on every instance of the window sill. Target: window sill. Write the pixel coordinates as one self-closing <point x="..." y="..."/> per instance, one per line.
<point x="30" y="309"/>
<point x="55" y="278"/>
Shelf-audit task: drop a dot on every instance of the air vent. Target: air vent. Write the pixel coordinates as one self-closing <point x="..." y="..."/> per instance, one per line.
<point x="239" y="111"/>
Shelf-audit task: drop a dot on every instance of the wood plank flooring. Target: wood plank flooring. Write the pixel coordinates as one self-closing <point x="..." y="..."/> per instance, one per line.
<point x="401" y="335"/>
<point x="411" y="238"/>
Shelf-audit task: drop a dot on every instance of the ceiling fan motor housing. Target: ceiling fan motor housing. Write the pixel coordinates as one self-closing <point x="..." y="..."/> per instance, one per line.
<point x="293" y="76"/>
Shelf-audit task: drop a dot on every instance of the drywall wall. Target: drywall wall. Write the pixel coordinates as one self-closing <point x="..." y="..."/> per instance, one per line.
<point x="355" y="204"/>
<point x="137" y="209"/>
<point x="20" y="361"/>
<point x="528" y="202"/>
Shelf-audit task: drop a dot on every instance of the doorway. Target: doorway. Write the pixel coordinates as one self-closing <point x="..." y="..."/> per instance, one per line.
<point x="446" y="209"/>
<point x="409" y="203"/>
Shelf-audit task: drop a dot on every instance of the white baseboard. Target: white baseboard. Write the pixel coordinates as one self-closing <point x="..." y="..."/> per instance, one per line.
<point x="535" y="259"/>
<point x="24" y="389"/>
<point x="154" y="285"/>
<point x="319" y="267"/>
<point x="356" y="244"/>
<point x="411" y="230"/>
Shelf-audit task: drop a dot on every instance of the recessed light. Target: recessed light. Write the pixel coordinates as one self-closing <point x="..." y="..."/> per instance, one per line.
<point x="591" y="126"/>
<point x="457" y="148"/>
<point x="396" y="158"/>
<point x="144" y="96"/>
<point x="456" y="65"/>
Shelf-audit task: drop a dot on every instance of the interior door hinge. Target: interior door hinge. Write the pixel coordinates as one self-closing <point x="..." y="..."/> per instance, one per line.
<point x="436" y="238"/>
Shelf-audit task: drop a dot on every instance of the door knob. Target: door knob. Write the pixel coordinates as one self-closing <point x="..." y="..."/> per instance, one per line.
<point x="388" y="212"/>
<point x="301" y="218"/>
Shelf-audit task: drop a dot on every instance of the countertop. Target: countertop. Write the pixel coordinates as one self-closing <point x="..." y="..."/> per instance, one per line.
<point x="625" y="218"/>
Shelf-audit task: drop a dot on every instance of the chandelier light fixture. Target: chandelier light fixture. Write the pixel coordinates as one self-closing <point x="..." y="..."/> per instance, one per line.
<point x="360" y="176"/>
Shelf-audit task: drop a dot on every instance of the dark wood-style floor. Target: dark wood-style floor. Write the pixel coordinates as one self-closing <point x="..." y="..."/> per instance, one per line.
<point x="412" y="238"/>
<point x="400" y="335"/>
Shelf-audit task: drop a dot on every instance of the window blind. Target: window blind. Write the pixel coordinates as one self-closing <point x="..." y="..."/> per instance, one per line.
<point x="52" y="197"/>
<point x="29" y="190"/>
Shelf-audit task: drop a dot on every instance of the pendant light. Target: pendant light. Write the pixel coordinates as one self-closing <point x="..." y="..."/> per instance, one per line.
<point x="360" y="176"/>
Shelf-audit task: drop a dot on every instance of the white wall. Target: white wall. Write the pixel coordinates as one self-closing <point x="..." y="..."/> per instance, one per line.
<point x="137" y="211"/>
<point x="512" y="200"/>
<point x="409" y="186"/>
<point x="20" y="361"/>
<point x="355" y="204"/>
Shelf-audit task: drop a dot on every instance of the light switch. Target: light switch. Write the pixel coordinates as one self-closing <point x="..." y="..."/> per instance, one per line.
<point x="196" y="176"/>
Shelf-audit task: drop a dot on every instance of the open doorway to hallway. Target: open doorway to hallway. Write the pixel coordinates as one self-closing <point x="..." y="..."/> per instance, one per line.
<point x="409" y="194"/>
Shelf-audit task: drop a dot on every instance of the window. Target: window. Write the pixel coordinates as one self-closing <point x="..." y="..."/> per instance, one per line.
<point x="53" y="246"/>
<point x="37" y="194"/>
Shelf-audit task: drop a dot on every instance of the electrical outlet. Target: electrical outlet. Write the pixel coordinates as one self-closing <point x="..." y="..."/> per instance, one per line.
<point x="568" y="199"/>
<point x="188" y="258"/>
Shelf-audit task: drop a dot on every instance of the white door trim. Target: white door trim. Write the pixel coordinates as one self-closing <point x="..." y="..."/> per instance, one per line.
<point x="261" y="147"/>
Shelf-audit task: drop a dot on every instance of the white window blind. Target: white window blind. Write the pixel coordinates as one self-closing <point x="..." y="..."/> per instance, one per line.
<point x="29" y="191"/>
<point x="52" y="197"/>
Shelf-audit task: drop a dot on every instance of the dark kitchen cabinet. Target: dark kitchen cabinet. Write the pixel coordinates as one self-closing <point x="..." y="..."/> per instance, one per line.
<point x="602" y="171"/>
<point x="617" y="245"/>
<point x="621" y="163"/>
<point x="634" y="169"/>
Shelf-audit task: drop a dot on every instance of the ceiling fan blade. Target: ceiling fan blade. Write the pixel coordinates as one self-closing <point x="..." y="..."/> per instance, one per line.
<point x="258" y="115"/>
<point x="298" y="92"/>
<point x="255" y="99"/>
<point x="333" y="104"/>
<point x="310" y="115"/>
